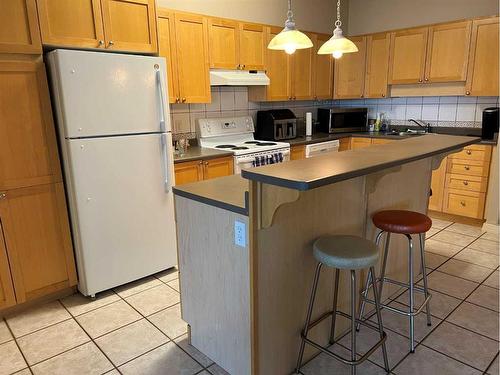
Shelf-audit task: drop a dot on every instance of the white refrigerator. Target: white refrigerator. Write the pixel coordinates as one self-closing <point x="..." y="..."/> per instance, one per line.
<point x="115" y="135"/>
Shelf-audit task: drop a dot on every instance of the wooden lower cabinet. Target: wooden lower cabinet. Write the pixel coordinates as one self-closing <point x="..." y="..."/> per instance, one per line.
<point x="345" y="144"/>
<point x="298" y="152"/>
<point x="37" y="240"/>
<point x="7" y="296"/>
<point x="198" y="170"/>
<point x="360" y="142"/>
<point x="437" y="187"/>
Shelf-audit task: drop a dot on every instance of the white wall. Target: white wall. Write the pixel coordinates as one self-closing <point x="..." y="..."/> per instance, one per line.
<point x="367" y="16"/>
<point x="310" y="15"/>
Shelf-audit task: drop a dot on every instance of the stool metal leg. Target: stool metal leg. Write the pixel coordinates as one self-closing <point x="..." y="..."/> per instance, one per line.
<point x="334" y="309"/>
<point x="308" y="318"/>
<point x="382" y="275"/>
<point x="411" y="287"/>
<point x="424" y="275"/>
<point x="353" y="320"/>
<point x="376" y="297"/>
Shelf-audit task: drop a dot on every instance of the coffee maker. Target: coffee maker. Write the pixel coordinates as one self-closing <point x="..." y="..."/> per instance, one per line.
<point x="490" y="123"/>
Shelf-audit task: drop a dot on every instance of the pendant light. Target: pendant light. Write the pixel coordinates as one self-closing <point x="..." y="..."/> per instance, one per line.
<point x="290" y="39"/>
<point x="338" y="44"/>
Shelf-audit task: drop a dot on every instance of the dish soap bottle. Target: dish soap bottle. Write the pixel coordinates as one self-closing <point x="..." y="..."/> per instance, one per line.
<point x="378" y="121"/>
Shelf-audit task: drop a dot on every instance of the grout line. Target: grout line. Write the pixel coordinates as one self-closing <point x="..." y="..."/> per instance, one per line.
<point x="93" y="309"/>
<point x="17" y="345"/>
<point x="490" y="365"/>
<point x="41" y="329"/>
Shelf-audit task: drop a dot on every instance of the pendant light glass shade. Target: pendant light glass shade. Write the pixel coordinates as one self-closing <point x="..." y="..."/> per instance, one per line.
<point x="290" y="39"/>
<point x="338" y="44"/>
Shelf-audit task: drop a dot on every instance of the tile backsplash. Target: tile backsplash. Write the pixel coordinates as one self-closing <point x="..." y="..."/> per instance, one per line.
<point x="233" y="101"/>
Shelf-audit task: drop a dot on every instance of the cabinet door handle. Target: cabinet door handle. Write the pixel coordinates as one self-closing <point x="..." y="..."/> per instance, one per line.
<point x="200" y="162"/>
<point x="462" y="203"/>
<point x="420" y="80"/>
<point x="294" y="98"/>
<point x="183" y="100"/>
<point x="467" y="93"/>
<point x="206" y="163"/>
<point x="467" y="167"/>
<point x="468" y="152"/>
<point x="426" y="79"/>
<point x="383" y="95"/>
<point x="3" y="195"/>
<point x="101" y="42"/>
<point x="466" y="182"/>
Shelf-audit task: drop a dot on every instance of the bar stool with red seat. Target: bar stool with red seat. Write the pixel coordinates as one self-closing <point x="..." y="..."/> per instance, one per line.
<point x="405" y="223"/>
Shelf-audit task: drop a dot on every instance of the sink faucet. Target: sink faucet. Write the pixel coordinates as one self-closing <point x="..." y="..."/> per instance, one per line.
<point x="423" y="125"/>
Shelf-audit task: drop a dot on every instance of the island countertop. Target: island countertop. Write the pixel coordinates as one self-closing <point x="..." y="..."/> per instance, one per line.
<point x="311" y="173"/>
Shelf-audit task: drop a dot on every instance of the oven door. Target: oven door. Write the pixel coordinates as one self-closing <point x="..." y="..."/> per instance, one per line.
<point x="264" y="158"/>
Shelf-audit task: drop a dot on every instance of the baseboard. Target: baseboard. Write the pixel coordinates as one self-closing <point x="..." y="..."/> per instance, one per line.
<point x="456" y="218"/>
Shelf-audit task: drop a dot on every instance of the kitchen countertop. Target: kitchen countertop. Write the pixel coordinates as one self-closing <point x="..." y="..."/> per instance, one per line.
<point x="197" y="153"/>
<point x="311" y="173"/>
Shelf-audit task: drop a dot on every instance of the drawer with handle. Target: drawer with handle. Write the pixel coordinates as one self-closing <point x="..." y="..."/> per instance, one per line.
<point x="470" y="168"/>
<point x="464" y="182"/>
<point x="464" y="203"/>
<point x="473" y="153"/>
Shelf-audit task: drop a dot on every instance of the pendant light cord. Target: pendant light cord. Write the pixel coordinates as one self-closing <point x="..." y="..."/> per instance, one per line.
<point x="289" y="14"/>
<point x="338" y="23"/>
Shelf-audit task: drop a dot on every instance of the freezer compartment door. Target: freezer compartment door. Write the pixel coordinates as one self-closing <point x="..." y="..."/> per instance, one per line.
<point x="122" y="214"/>
<point x="101" y="93"/>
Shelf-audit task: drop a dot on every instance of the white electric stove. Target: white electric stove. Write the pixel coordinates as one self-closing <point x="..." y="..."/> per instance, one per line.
<point x="235" y="134"/>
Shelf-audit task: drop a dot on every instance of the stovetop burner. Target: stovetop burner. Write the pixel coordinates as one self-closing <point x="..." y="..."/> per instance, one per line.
<point x="265" y="144"/>
<point x="225" y="146"/>
<point x="239" y="148"/>
<point x="251" y="142"/>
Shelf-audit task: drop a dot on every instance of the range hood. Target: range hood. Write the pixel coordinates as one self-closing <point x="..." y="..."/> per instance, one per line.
<point x="238" y="78"/>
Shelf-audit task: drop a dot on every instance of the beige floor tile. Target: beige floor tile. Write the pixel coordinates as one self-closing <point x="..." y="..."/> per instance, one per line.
<point x="86" y="359"/>
<point x="5" y="334"/>
<point x="169" y="321"/>
<point x="165" y="360"/>
<point x="51" y="341"/>
<point x="78" y="304"/>
<point x="465" y="270"/>
<point x="174" y="284"/>
<point x="477" y="319"/>
<point x="451" y="285"/>
<point x="486" y="297"/>
<point x="426" y="361"/>
<point x="440" y="224"/>
<point x="492" y="236"/>
<point x="486" y="246"/>
<point x="110" y="317"/>
<point x="37" y="318"/>
<point x="431" y="232"/>
<point x="112" y="372"/>
<point x="478" y="257"/>
<point x="400" y="323"/>
<point x="23" y="372"/>
<point x="493" y="280"/>
<point x="11" y="359"/>
<point x="130" y="341"/>
<point x="204" y="372"/>
<point x="434" y="260"/>
<point x="469" y="230"/>
<point x="326" y="365"/>
<point x="137" y="286"/>
<point x="463" y="345"/>
<point x="168" y="275"/>
<point x="493" y="369"/>
<point x="183" y="342"/>
<point x="397" y="345"/>
<point x="154" y="299"/>
<point x="441" y="248"/>
<point x="441" y="304"/>
<point x="453" y="238"/>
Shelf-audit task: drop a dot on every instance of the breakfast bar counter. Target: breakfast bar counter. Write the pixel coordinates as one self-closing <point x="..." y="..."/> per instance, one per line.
<point x="245" y="281"/>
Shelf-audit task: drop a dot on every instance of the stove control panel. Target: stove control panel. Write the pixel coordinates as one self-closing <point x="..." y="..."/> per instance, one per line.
<point x="210" y="127"/>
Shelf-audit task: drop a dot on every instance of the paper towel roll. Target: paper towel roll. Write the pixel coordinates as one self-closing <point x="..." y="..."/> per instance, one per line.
<point x="309" y="123"/>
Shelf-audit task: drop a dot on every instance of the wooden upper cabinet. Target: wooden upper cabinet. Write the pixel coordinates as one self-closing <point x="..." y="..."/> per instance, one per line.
<point x="28" y="148"/>
<point x="130" y="25"/>
<point x="19" y="31"/>
<point x="448" y="52"/>
<point x="71" y="23"/>
<point x="303" y="72"/>
<point x="224" y="43"/>
<point x="407" y="56"/>
<point x="36" y="230"/>
<point x="191" y="34"/>
<point x="482" y="77"/>
<point x="323" y="71"/>
<point x="377" y="65"/>
<point x="7" y="296"/>
<point x="350" y="72"/>
<point x="252" y="46"/>
<point x="167" y="49"/>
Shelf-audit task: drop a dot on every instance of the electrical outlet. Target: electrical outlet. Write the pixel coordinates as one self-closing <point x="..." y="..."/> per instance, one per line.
<point x="240" y="234"/>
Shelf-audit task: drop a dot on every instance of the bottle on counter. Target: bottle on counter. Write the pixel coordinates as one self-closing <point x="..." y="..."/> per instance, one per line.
<point x="378" y="121"/>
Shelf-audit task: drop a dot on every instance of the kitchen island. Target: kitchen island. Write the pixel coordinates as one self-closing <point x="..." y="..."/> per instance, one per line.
<point x="244" y="244"/>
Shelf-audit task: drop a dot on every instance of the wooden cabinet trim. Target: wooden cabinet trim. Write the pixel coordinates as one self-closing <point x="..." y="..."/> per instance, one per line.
<point x="229" y="24"/>
<point x="34" y="46"/>
<point x="360" y="75"/>
<point x="369" y="92"/>
<point x="168" y="48"/>
<point x="6" y="286"/>
<point x="254" y="27"/>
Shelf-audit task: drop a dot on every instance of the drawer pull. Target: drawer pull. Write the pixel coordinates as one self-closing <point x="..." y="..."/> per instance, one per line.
<point x="467" y="167"/>
<point x="462" y="203"/>
<point x="468" y="152"/>
<point x="466" y="183"/>
<point x="3" y="195"/>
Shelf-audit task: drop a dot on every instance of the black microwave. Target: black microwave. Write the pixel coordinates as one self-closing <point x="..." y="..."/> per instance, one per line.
<point x="343" y="119"/>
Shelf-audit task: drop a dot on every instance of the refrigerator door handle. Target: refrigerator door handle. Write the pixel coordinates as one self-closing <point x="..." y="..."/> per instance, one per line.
<point x="165" y="162"/>
<point x="160" y="87"/>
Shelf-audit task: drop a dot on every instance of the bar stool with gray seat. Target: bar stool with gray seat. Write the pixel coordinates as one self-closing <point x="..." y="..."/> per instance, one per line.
<point x="405" y="223"/>
<point x="349" y="253"/>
